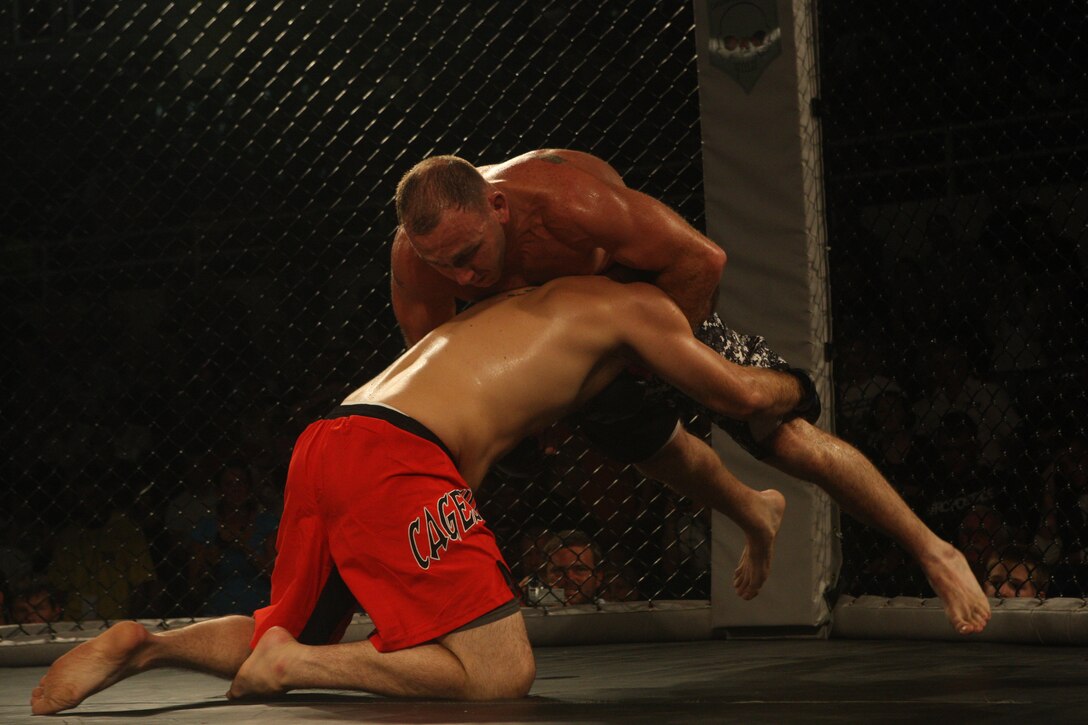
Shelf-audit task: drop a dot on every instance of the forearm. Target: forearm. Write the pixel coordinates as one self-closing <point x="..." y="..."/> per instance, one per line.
<point x="417" y="315"/>
<point x="740" y="392"/>
<point x="419" y="295"/>
<point x="660" y="341"/>
<point x="692" y="282"/>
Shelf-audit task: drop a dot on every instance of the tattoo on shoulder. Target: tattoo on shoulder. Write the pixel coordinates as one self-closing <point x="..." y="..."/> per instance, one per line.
<point x="520" y="291"/>
<point x="553" y="158"/>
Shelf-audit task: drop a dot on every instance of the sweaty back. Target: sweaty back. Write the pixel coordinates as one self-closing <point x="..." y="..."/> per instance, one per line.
<point x="504" y="367"/>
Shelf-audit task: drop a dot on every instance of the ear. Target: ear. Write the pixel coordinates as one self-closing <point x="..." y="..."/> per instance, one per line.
<point x="497" y="201"/>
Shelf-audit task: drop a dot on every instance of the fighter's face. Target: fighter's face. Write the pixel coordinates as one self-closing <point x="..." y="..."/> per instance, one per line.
<point x="468" y="247"/>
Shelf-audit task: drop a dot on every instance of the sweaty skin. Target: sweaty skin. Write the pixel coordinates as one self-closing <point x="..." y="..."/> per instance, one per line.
<point x="569" y="338"/>
<point x="553" y="213"/>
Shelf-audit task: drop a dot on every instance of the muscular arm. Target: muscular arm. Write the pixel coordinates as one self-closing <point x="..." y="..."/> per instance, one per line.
<point x="420" y="298"/>
<point x="642" y="233"/>
<point x="656" y="335"/>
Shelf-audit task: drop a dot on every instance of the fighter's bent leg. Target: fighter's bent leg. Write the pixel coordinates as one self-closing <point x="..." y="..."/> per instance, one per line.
<point x="488" y="662"/>
<point x="218" y="647"/>
<point x="693" y="469"/>
<point x="804" y="451"/>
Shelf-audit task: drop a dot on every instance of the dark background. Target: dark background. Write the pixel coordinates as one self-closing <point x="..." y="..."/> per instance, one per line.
<point x="196" y="217"/>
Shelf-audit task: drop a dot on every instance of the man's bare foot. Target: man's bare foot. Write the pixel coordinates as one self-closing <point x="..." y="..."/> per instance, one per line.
<point x="965" y="604"/>
<point x="755" y="560"/>
<point x="264" y="671"/>
<point x="90" y="667"/>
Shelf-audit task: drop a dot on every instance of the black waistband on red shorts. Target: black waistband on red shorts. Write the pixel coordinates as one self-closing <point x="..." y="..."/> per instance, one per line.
<point x="393" y="417"/>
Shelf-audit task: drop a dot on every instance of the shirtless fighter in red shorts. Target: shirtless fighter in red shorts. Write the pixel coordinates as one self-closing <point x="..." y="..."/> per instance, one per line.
<point x="379" y="505"/>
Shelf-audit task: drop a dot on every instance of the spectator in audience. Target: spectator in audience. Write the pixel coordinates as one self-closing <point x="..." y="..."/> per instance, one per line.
<point x="577" y="570"/>
<point x="574" y="566"/>
<point x="952" y="386"/>
<point x="234" y="550"/>
<point x="35" y="603"/>
<point x="101" y="561"/>
<point x="1016" y="572"/>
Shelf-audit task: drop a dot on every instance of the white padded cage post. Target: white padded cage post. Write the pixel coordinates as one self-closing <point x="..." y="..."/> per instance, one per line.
<point x="757" y="76"/>
<point x="763" y="179"/>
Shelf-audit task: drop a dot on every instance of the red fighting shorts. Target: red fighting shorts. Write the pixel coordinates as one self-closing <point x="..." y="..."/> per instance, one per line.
<point x="375" y="513"/>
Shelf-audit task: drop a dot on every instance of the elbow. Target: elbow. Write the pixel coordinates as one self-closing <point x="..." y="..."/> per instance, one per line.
<point x="715" y="261"/>
<point x="747" y="406"/>
<point x="758" y="402"/>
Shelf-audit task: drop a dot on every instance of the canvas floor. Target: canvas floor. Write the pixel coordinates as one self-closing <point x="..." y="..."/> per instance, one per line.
<point x="743" y="681"/>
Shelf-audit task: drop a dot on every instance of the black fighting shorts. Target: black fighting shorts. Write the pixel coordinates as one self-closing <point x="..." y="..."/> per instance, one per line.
<point x="633" y="419"/>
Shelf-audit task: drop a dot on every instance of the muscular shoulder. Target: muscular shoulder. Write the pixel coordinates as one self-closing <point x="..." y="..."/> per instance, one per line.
<point x="616" y="302"/>
<point x="553" y="164"/>
<point x="580" y="197"/>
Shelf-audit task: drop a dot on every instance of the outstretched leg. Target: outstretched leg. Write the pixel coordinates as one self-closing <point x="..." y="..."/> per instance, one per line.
<point x="483" y="663"/>
<point x="218" y="647"/>
<point x="809" y="453"/>
<point x="693" y="469"/>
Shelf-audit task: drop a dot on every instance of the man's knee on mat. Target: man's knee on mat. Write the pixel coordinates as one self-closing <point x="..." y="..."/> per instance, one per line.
<point x="497" y="657"/>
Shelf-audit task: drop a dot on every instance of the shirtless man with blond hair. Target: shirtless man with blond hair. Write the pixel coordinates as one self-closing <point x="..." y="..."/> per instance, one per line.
<point x="467" y="233"/>
<point x="379" y="507"/>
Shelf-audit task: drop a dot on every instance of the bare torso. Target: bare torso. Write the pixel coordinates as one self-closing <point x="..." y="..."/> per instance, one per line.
<point x="495" y="373"/>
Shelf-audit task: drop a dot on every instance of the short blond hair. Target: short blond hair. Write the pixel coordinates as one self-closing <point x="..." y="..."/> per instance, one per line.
<point x="432" y="186"/>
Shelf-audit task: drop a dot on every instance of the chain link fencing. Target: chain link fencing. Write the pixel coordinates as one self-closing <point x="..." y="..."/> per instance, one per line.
<point x="196" y="219"/>
<point x="197" y="212"/>
<point x="954" y="155"/>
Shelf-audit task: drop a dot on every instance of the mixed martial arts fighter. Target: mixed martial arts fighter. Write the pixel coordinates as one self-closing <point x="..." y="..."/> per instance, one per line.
<point x="379" y="506"/>
<point x="467" y="233"/>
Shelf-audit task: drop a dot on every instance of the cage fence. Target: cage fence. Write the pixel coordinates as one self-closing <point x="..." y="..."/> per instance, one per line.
<point x="197" y="219"/>
<point x="954" y="148"/>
